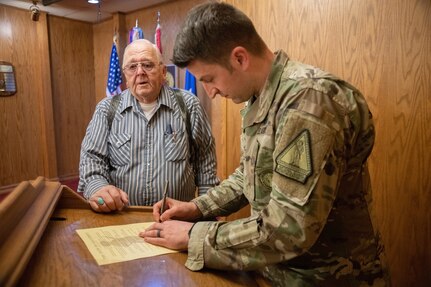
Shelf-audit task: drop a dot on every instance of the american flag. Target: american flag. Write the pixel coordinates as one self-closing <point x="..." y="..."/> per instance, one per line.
<point x="113" y="86"/>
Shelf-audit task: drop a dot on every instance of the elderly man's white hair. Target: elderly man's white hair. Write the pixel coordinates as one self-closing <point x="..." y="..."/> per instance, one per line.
<point x="143" y="42"/>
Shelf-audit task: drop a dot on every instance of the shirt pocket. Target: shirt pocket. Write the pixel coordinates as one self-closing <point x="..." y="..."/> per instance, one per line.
<point x="119" y="146"/>
<point x="258" y="174"/>
<point x="263" y="175"/>
<point x="176" y="147"/>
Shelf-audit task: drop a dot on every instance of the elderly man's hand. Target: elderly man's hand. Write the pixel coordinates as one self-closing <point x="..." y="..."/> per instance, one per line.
<point x="108" y="198"/>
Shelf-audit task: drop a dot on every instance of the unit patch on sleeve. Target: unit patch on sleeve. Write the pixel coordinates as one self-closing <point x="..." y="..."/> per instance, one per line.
<point x="294" y="161"/>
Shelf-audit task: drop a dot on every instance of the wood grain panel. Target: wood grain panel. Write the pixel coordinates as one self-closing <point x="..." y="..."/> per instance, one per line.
<point x="47" y="139"/>
<point x="25" y="118"/>
<point x="73" y="89"/>
<point x="382" y="47"/>
<point x="404" y="184"/>
<point x="219" y="125"/>
<point x="103" y="34"/>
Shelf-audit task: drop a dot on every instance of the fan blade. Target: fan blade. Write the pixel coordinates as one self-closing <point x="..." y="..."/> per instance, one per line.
<point x="49" y="2"/>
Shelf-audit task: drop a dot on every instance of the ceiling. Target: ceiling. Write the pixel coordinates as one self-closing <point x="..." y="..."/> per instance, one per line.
<point x="82" y="10"/>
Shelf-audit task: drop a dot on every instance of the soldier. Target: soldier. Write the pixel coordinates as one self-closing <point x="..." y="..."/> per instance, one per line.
<point x="306" y="136"/>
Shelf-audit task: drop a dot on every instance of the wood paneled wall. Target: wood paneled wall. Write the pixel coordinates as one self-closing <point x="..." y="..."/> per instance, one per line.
<point x="73" y="88"/>
<point x="383" y="48"/>
<point x="27" y="143"/>
<point x="102" y="44"/>
<point x="42" y="126"/>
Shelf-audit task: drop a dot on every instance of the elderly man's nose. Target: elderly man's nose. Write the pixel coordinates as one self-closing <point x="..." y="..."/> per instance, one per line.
<point x="140" y="69"/>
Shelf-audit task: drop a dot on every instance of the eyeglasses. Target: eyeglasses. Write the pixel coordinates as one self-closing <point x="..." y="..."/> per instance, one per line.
<point x="132" y="68"/>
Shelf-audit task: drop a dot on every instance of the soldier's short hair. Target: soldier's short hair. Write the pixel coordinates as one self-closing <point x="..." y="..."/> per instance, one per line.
<point x="211" y="31"/>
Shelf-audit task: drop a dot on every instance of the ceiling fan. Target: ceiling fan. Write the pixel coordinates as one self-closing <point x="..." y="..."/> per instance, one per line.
<point x="35" y="11"/>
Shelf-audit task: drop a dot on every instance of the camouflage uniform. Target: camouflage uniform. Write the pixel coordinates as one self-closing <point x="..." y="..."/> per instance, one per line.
<point x="305" y="141"/>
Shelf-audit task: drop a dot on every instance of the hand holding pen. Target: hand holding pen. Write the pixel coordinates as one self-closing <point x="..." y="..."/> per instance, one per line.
<point x="175" y="209"/>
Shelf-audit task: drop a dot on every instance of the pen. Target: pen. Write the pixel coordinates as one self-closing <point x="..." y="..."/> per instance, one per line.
<point x="168" y="129"/>
<point x="162" y="209"/>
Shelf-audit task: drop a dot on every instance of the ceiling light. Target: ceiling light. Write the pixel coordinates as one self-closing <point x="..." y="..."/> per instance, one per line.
<point x="93" y="1"/>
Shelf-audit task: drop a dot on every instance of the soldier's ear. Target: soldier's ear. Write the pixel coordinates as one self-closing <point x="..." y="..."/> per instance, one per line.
<point x="240" y="58"/>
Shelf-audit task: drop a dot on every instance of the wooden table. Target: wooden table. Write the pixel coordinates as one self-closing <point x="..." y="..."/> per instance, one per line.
<point x="39" y="245"/>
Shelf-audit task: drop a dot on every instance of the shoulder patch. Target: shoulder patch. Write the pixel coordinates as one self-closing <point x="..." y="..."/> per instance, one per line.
<point x="294" y="161"/>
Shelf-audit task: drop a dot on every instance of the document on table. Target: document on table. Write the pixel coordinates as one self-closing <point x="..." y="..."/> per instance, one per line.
<point x="118" y="243"/>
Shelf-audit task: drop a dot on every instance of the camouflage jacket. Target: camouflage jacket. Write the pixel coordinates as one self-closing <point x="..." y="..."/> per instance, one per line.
<point x="305" y="140"/>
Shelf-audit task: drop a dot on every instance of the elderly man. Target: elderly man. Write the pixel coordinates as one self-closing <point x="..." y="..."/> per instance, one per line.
<point x="149" y="136"/>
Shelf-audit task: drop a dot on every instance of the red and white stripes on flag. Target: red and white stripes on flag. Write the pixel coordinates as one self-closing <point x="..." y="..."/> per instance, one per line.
<point x="158" y="34"/>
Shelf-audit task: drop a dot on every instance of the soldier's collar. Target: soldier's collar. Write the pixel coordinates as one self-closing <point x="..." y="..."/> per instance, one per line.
<point x="257" y="110"/>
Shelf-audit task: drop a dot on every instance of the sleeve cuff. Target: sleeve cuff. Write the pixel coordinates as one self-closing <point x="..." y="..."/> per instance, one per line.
<point x="195" y="260"/>
<point x="94" y="186"/>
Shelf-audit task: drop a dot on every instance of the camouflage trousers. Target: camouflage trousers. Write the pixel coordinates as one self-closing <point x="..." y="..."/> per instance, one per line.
<point x="294" y="277"/>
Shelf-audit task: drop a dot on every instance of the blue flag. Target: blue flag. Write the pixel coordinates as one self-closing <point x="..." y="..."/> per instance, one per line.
<point x="113" y="86"/>
<point x="190" y="82"/>
<point x="135" y="33"/>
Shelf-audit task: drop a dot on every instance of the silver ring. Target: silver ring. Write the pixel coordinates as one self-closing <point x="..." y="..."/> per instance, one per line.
<point x="100" y="201"/>
<point x="158" y="232"/>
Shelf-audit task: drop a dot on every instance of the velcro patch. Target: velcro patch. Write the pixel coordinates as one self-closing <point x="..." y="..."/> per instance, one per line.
<point x="294" y="161"/>
<point x="301" y="152"/>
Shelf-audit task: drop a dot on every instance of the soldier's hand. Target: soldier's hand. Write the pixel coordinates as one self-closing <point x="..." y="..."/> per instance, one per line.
<point x="175" y="209"/>
<point x="172" y="234"/>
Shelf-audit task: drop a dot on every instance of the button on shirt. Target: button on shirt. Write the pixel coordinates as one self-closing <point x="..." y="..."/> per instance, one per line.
<point x="139" y="155"/>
